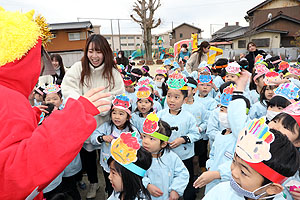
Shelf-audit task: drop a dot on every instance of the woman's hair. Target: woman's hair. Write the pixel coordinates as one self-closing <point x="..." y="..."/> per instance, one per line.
<point x="203" y="45"/>
<point x="184" y="46"/>
<point x="278" y="101"/>
<point x="127" y="123"/>
<point x="262" y="95"/>
<point x="58" y="58"/>
<point x="252" y="43"/>
<point x="100" y="44"/>
<point x="288" y="123"/>
<point x="132" y="183"/>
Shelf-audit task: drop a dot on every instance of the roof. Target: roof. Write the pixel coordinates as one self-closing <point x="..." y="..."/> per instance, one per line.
<point x="199" y="29"/>
<point x="280" y="16"/>
<point x="220" y="43"/>
<point x="236" y="32"/>
<point x="226" y="29"/>
<point x="253" y="32"/>
<point x="259" y="6"/>
<point x="70" y="25"/>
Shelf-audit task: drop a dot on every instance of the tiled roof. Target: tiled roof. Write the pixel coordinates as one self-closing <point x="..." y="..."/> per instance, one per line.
<point x="70" y="25"/>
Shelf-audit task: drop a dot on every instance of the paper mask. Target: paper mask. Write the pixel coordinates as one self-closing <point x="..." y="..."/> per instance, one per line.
<point x="293" y="109"/>
<point x="145" y="81"/>
<point x="121" y="101"/>
<point x="161" y="70"/>
<point x="150" y="127"/>
<point x="176" y="81"/>
<point x="226" y="96"/>
<point x="258" y="59"/>
<point x="288" y="90"/>
<point x="51" y="88"/>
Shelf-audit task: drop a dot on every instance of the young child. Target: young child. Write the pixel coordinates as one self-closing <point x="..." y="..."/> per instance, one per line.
<point x="182" y="140"/>
<point x="38" y="94"/>
<point x="144" y="107"/>
<point x="160" y="88"/>
<point x="257" y="82"/>
<point x="130" y="91"/>
<point x="232" y="72"/>
<point x="120" y="122"/>
<point x="168" y="66"/>
<point x="128" y="165"/>
<point x="145" y="70"/>
<point x="52" y="94"/>
<point x="167" y="177"/>
<point x="262" y="162"/>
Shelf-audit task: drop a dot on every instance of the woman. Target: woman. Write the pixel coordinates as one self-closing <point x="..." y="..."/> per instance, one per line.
<point x="96" y="68"/>
<point x="121" y="59"/>
<point x="197" y="57"/>
<point x="253" y="52"/>
<point x="59" y="68"/>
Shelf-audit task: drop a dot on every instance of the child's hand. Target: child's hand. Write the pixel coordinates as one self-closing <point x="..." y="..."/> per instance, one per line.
<point x="43" y="108"/>
<point x="176" y="142"/>
<point x="296" y="194"/>
<point x="243" y="80"/>
<point x="206" y="178"/>
<point x="154" y="191"/>
<point x="108" y="138"/>
<point x="174" y="195"/>
<point x="95" y="95"/>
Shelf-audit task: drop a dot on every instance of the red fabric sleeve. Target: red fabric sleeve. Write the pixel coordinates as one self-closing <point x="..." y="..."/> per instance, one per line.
<point x="89" y="107"/>
<point x="37" y="112"/>
<point x="32" y="156"/>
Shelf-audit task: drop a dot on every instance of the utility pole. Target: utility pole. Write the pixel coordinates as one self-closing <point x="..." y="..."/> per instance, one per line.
<point x="119" y="33"/>
<point x="112" y="35"/>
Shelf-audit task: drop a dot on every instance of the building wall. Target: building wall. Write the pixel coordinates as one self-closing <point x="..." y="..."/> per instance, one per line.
<point x="128" y="42"/>
<point x="182" y="33"/>
<point x="285" y="25"/>
<point x="61" y="41"/>
<point x="280" y="4"/>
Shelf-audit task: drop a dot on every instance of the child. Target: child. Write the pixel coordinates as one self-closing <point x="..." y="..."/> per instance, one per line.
<point x="232" y="72"/>
<point x="184" y="54"/>
<point x="160" y="88"/>
<point x="128" y="165"/>
<point x="257" y="82"/>
<point x="167" y="177"/>
<point x="201" y="115"/>
<point x="130" y="91"/>
<point x="145" y="70"/>
<point x="52" y="94"/>
<point x="263" y="160"/>
<point x="182" y="140"/>
<point x="38" y="94"/>
<point x="168" y="66"/>
<point x="144" y="107"/>
<point x="120" y="122"/>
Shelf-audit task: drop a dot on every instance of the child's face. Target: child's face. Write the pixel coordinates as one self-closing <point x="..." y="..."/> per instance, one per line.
<point x="231" y="77"/>
<point x="55" y="63"/>
<point x="292" y="76"/>
<point x="175" y="99"/>
<point x="53" y="98"/>
<point x="159" y="78"/>
<point x="144" y="105"/>
<point x="152" y="144"/>
<point x="204" y="88"/>
<point x="277" y="125"/>
<point x="223" y="109"/>
<point x="244" y="175"/>
<point x="38" y="97"/>
<point x="95" y="57"/>
<point x="275" y="108"/>
<point x="269" y="92"/>
<point x="168" y="67"/>
<point x="115" y="178"/>
<point x="129" y="89"/>
<point x="119" y="117"/>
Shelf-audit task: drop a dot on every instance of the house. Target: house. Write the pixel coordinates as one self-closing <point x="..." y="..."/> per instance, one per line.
<point x="183" y="31"/>
<point x="217" y="36"/>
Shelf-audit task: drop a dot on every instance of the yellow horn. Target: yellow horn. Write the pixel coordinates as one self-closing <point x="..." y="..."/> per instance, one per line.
<point x="30" y="14"/>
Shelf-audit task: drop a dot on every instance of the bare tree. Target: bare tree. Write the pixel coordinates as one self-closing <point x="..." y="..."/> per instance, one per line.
<point x="144" y="9"/>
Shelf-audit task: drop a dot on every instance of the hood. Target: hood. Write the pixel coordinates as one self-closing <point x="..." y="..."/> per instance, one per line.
<point x="22" y="75"/>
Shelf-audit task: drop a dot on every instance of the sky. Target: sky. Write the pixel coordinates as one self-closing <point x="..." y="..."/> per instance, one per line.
<point x="209" y="15"/>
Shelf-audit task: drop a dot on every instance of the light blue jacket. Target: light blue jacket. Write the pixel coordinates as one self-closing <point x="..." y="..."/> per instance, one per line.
<point x="213" y="125"/>
<point x="132" y="99"/>
<point x="186" y="124"/>
<point x="254" y="97"/>
<point x="137" y="121"/>
<point x="54" y="183"/>
<point x="74" y="167"/>
<point x="209" y="102"/>
<point x="167" y="173"/>
<point x="115" y="196"/>
<point x="258" y="110"/>
<point x="107" y="129"/>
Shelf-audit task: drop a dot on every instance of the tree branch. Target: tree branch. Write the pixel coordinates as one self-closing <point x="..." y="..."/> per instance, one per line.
<point x="157" y="23"/>
<point x="136" y="20"/>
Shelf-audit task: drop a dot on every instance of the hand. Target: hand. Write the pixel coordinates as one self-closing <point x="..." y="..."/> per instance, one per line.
<point x="43" y="108"/>
<point x="206" y="178"/>
<point x="156" y="93"/>
<point x="154" y="191"/>
<point x="296" y="194"/>
<point x="174" y="195"/>
<point x="107" y="138"/>
<point x="95" y="95"/>
<point x="243" y="80"/>
<point x="176" y="142"/>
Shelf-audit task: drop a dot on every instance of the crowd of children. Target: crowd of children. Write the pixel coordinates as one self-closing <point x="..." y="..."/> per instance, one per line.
<point x="240" y="129"/>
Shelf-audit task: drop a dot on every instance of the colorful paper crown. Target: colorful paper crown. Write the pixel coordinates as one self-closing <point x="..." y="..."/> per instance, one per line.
<point x="260" y="70"/>
<point x="145" y="81"/>
<point x="143" y="92"/>
<point x="127" y="81"/>
<point x="167" y="62"/>
<point x="294" y="69"/>
<point x="177" y="81"/>
<point x="205" y="78"/>
<point x="293" y="109"/>
<point x="124" y="151"/>
<point x="288" y="90"/>
<point x="122" y="102"/>
<point x="52" y="88"/>
<point x="150" y="127"/>
<point x="283" y="65"/>
<point x="226" y="96"/>
<point x="271" y="77"/>
<point x="258" y="59"/>
<point x="233" y="68"/>
<point x="161" y="70"/>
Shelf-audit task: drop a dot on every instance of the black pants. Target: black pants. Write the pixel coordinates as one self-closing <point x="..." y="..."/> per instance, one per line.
<point x="108" y="187"/>
<point x="70" y="187"/>
<point x="89" y="164"/>
<point x="189" y="192"/>
<point x="57" y="193"/>
<point x="201" y="152"/>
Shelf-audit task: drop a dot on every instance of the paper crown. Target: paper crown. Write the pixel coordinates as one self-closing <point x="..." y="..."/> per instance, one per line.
<point x="52" y="88"/>
<point x="283" y="65"/>
<point x="253" y="144"/>
<point x="205" y="78"/>
<point x="143" y="92"/>
<point x="127" y="81"/>
<point x="293" y="109"/>
<point x="150" y="127"/>
<point x="177" y="81"/>
<point x="261" y="69"/>
<point x="161" y="70"/>
<point x="145" y="81"/>
<point x="271" y="77"/>
<point x="294" y="69"/>
<point x="258" y="59"/>
<point x="288" y="90"/>
<point x="167" y="62"/>
<point x="233" y="68"/>
<point x="226" y="96"/>
<point x="122" y="102"/>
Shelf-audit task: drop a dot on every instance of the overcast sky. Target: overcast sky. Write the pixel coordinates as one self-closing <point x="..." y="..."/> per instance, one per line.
<point x="205" y="14"/>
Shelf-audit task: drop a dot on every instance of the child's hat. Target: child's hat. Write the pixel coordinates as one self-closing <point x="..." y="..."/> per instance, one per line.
<point x="271" y="78"/>
<point x="167" y="62"/>
<point x="129" y="80"/>
<point x="40" y="90"/>
<point x="144" y="93"/>
<point x="124" y="151"/>
<point x="191" y="82"/>
<point x="177" y="81"/>
<point x="226" y="96"/>
<point x="233" y="68"/>
<point x="205" y="78"/>
<point x="161" y="70"/>
<point x="294" y="111"/>
<point x="220" y="63"/>
<point x="150" y="127"/>
<point x="260" y="70"/>
<point x="175" y="65"/>
<point x="258" y="59"/>
<point x="147" y="81"/>
<point x="294" y="69"/>
<point x="122" y="102"/>
<point x="253" y="146"/>
<point x="288" y="90"/>
<point x="204" y="68"/>
<point x="52" y="88"/>
<point x="283" y="65"/>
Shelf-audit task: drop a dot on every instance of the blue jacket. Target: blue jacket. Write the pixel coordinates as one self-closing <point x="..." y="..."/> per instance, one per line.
<point x="209" y="102"/>
<point x="258" y="110"/>
<point x="186" y="124"/>
<point x="213" y="125"/>
<point x="254" y="97"/>
<point x="137" y="121"/>
<point x="74" y="167"/>
<point x="167" y="173"/>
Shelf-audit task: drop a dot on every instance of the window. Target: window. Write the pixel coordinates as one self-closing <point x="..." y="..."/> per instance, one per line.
<point x="263" y="42"/>
<point x="242" y="44"/>
<point x="138" y="44"/>
<point x="77" y="36"/>
<point x="124" y="45"/>
<point x="123" y="38"/>
<point x="137" y="38"/>
<point x="130" y="44"/>
<point x="108" y="38"/>
<point x="181" y="35"/>
<point x="130" y="38"/>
